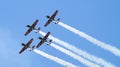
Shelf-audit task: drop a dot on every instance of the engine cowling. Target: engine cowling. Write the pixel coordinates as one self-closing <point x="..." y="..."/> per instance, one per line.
<point x="48" y="16"/>
<point x="39" y="37"/>
<point x="28" y="26"/>
<point x="23" y="44"/>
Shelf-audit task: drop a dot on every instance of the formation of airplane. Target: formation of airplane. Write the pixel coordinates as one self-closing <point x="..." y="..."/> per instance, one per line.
<point x="52" y="18"/>
<point x="42" y="39"/>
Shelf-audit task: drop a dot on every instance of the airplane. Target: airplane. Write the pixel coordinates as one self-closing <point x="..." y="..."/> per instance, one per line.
<point x="27" y="45"/>
<point x="44" y="39"/>
<point x="32" y="27"/>
<point x="52" y="18"/>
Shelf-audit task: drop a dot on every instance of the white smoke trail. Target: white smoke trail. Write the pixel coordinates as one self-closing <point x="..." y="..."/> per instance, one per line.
<point x="80" y="59"/>
<point x="80" y="52"/>
<point x="56" y="59"/>
<point x="103" y="45"/>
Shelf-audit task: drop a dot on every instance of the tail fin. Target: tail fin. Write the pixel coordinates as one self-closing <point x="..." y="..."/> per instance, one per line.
<point x="57" y="21"/>
<point x="32" y="48"/>
<point x="38" y="30"/>
<point x="50" y="41"/>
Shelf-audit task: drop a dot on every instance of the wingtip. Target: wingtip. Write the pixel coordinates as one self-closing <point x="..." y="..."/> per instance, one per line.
<point x="36" y="46"/>
<point x="37" y="20"/>
<point x="49" y="32"/>
<point x="31" y="38"/>
<point x="57" y="10"/>
<point x="45" y="25"/>
<point x="19" y="52"/>
<point x="25" y="34"/>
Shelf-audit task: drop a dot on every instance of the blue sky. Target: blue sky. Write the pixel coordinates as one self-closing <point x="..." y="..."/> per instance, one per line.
<point x="99" y="19"/>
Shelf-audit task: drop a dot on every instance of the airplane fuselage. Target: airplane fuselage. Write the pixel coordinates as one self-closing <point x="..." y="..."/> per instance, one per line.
<point x="31" y="27"/>
<point x="24" y="45"/>
<point x="42" y="39"/>
<point x="45" y="41"/>
<point x="53" y="19"/>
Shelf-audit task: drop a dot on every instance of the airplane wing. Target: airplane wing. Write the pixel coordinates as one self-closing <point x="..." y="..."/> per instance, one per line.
<point x="43" y="40"/>
<point x="48" y="22"/>
<point x="22" y="50"/>
<point x="40" y="43"/>
<point x="46" y="36"/>
<point x="54" y="14"/>
<point x="28" y="31"/>
<point x="26" y="46"/>
<point x="29" y="42"/>
<point x="35" y="23"/>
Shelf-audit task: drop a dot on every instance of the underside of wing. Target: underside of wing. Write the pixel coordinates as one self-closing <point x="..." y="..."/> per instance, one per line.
<point x="28" y="31"/>
<point x="54" y="14"/>
<point x="22" y="50"/>
<point x="46" y="36"/>
<point x="35" y="23"/>
<point x="48" y="22"/>
<point x="39" y="44"/>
